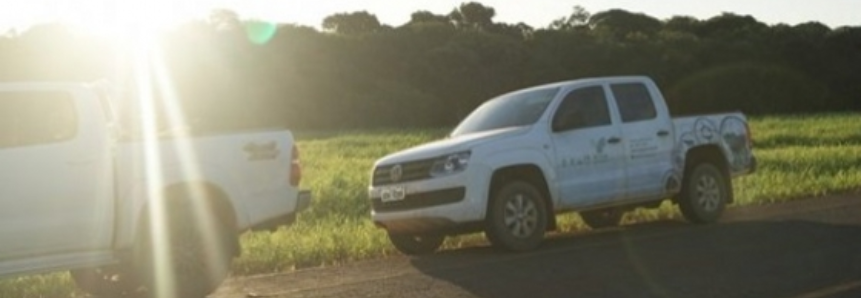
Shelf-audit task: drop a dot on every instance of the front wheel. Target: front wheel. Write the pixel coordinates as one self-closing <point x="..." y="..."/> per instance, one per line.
<point x="417" y="244"/>
<point x="517" y="217"/>
<point x="705" y="192"/>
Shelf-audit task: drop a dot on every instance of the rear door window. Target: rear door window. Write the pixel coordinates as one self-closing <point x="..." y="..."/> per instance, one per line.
<point x="634" y="101"/>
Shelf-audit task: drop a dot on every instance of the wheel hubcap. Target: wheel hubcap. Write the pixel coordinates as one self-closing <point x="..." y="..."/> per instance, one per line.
<point x="709" y="193"/>
<point x="187" y="262"/>
<point x="521" y="216"/>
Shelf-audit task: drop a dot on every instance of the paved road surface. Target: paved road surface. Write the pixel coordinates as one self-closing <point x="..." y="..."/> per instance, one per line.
<point x="804" y="249"/>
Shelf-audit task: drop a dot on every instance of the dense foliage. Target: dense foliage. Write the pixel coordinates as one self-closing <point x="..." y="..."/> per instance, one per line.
<point x="434" y="69"/>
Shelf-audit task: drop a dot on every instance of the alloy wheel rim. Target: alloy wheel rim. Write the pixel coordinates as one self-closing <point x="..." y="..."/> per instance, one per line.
<point x="521" y="216"/>
<point x="709" y="193"/>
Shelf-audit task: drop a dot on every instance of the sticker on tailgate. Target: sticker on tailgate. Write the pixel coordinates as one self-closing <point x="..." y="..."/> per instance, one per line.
<point x="262" y="151"/>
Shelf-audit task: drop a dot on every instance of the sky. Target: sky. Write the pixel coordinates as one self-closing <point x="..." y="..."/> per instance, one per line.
<point x="103" y="14"/>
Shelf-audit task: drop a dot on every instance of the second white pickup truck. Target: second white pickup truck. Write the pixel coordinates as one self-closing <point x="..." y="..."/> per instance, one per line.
<point x="126" y="209"/>
<point x="598" y="146"/>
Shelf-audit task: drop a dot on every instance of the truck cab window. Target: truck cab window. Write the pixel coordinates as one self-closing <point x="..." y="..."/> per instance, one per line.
<point x="635" y="103"/>
<point x="582" y="108"/>
<point x="32" y="118"/>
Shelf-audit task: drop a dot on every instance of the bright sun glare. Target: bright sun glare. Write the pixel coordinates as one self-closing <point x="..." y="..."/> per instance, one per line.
<point x="133" y="26"/>
<point x="121" y="18"/>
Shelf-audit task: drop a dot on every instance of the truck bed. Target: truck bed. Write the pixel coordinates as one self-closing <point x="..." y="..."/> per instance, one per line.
<point x="729" y="130"/>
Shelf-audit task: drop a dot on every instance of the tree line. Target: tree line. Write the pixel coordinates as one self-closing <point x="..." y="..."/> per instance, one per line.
<point x="230" y="72"/>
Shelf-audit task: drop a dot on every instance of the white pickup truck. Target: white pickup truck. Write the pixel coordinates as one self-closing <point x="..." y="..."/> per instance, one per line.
<point x="597" y="146"/>
<point x="126" y="211"/>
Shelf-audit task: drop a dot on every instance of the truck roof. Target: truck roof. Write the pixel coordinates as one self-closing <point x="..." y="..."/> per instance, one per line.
<point x="594" y="80"/>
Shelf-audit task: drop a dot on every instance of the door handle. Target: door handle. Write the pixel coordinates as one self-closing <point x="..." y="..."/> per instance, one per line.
<point x="663" y="133"/>
<point x="614" y="140"/>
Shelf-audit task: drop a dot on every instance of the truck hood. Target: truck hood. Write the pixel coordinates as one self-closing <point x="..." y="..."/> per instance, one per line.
<point x="450" y="145"/>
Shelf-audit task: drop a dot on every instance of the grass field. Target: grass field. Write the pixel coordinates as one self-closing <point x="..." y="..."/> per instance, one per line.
<point x="799" y="157"/>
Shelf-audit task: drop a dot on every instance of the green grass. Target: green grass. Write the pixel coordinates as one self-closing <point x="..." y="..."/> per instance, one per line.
<point x="807" y="130"/>
<point x="799" y="156"/>
<point x="54" y="285"/>
<point x="803" y="156"/>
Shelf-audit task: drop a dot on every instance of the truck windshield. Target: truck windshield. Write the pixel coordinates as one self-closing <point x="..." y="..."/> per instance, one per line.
<point x="519" y="108"/>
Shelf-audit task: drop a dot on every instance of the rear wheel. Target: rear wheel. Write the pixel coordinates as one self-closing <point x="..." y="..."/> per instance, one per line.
<point x="602" y="218"/>
<point x="705" y="192"/>
<point x="417" y="244"/>
<point x="190" y="260"/>
<point x="108" y="281"/>
<point x="517" y="217"/>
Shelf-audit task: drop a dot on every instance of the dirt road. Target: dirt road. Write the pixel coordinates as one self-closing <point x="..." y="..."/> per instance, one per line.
<point x="802" y="249"/>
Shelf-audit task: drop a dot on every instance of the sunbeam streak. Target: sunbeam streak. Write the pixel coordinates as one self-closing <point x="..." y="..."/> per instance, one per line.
<point x="201" y="206"/>
<point x="149" y="128"/>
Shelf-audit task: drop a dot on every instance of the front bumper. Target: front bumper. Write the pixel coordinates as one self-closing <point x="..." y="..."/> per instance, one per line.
<point x="420" y="200"/>
<point x="429" y="205"/>
<point x="303" y="201"/>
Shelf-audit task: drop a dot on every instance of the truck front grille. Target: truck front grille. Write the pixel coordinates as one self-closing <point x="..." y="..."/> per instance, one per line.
<point x="421" y="200"/>
<point x="410" y="171"/>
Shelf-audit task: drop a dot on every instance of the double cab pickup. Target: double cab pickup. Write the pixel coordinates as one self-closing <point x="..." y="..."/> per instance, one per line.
<point x="597" y="146"/>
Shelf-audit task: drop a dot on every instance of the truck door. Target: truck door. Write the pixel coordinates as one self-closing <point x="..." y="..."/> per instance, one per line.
<point x="589" y="159"/>
<point x="54" y="184"/>
<point x="647" y="129"/>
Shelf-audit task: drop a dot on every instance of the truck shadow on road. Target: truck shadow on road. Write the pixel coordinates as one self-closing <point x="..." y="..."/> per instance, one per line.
<point x="663" y="259"/>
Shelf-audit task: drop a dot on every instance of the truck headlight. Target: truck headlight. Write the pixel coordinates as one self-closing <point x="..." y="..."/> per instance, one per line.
<point x="450" y="164"/>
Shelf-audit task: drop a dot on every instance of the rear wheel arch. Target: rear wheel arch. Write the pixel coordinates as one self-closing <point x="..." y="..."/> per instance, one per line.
<point x="712" y="154"/>
<point x="529" y="173"/>
<point x="195" y="213"/>
<point x="212" y="197"/>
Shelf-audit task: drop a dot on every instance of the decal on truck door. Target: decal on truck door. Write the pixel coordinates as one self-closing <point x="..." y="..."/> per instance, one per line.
<point x="643" y="147"/>
<point x="596" y="156"/>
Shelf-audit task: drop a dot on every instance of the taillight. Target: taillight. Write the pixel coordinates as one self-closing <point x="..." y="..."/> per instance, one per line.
<point x="295" y="167"/>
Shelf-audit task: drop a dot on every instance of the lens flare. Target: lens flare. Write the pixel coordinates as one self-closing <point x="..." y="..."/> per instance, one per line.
<point x="260" y="32"/>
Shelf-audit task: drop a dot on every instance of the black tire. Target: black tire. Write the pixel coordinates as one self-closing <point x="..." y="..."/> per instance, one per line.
<point x="415" y="245"/>
<point x="109" y="281"/>
<point x="517" y="217"/>
<point x="705" y="193"/>
<point x="193" y="265"/>
<point x="602" y="218"/>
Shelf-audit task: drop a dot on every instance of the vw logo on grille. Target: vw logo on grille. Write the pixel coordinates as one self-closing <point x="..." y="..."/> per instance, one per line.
<point x="396" y="173"/>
